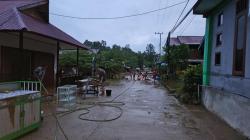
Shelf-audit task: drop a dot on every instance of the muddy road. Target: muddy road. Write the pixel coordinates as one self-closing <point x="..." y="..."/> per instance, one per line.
<point x="148" y="113"/>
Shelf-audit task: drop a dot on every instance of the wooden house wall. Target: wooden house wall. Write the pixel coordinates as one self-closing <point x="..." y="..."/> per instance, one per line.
<point x="37" y="52"/>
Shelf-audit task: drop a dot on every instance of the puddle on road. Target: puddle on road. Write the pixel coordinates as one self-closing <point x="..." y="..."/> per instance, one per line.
<point x="132" y="95"/>
<point x="138" y="90"/>
<point x="146" y="101"/>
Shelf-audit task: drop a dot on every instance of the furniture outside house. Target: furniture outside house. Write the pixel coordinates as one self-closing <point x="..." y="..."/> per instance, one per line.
<point x="89" y="86"/>
<point x="19" y="108"/>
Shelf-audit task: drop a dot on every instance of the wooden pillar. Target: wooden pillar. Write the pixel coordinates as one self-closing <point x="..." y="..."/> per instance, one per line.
<point x="77" y="62"/>
<point x="1" y="66"/>
<point x="21" y="75"/>
<point x="57" y="63"/>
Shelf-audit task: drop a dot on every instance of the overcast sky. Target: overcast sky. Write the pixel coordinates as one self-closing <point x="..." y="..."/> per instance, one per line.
<point x="136" y="31"/>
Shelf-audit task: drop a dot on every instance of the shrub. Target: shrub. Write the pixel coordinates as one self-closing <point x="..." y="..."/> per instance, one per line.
<point x="192" y="78"/>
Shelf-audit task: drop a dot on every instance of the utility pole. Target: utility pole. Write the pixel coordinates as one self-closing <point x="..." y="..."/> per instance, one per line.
<point x="160" y="34"/>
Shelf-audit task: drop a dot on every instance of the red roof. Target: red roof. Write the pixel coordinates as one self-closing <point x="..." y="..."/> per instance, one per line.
<point x="11" y="18"/>
<point x="188" y="40"/>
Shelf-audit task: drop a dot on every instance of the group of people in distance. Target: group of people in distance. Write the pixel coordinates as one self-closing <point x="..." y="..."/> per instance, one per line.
<point x="139" y="75"/>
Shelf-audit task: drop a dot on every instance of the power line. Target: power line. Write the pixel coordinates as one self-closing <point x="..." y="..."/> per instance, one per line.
<point x="118" y="17"/>
<point x="158" y="14"/>
<point x="185" y="28"/>
<point x="164" y="14"/>
<point x="181" y="14"/>
<point x="181" y="20"/>
<point x="177" y="25"/>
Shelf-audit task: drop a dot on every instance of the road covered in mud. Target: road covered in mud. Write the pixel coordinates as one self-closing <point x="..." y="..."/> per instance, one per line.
<point x="148" y="113"/>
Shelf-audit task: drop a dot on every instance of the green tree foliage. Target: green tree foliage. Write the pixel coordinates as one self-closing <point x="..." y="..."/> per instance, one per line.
<point x="150" y="55"/>
<point x="140" y="60"/>
<point x="113" y="59"/>
<point x="67" y="58"/>
<point x="176" y="57"/>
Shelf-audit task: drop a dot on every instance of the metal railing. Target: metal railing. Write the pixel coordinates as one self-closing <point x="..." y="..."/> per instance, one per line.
<point x="30" y="85"/>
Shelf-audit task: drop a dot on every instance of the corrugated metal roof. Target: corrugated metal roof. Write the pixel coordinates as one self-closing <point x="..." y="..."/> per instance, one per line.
<point x="13" y="19"/>
<point x="174" y="42"/>
<point x="189" y="40"/>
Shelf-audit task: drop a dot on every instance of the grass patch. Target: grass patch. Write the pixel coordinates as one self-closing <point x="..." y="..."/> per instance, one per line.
<point x="175" y="84"/>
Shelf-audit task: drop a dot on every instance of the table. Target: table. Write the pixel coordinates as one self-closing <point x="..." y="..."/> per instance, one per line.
<point x="89" y="86"/>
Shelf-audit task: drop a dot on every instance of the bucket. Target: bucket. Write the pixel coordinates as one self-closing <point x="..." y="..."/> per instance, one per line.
<point x="108" y="92"/>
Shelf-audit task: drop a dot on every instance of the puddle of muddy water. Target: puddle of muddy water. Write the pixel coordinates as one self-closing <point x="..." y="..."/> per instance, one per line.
<point x="139" y="90"/>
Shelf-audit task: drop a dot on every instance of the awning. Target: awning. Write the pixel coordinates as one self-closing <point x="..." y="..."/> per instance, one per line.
<point x="206" y="6"/>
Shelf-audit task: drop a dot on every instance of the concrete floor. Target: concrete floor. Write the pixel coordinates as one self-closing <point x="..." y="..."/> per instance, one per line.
<point x="149" y="113"/>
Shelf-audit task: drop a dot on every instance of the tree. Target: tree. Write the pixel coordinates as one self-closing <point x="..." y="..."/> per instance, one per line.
<point x="176" y="57"/>
<point x="112" y="58"/>
<point x="140" y="60"/>
<point x="150" y="55"/>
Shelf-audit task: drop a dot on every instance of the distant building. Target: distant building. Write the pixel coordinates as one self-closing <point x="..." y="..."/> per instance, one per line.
<point x="28" y="40"/>
<point x="195" y="46"/>
<point x="226" y="67"/>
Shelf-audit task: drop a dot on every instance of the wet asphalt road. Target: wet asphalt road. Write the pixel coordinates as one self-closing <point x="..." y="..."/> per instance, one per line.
<point x="149" y="113"/>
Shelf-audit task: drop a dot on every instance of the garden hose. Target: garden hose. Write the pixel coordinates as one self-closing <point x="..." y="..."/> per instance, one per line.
<point x="102" y="120"/>
<point x="112" y="103"/>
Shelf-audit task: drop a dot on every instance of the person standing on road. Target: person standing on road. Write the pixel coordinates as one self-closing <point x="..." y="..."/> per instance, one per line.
<point x="154" y="75"/>
<point x="102" y="78"/>
<point x="134" y="74"/>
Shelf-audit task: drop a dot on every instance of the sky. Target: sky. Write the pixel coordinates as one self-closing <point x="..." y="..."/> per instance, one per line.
<point x="135" y="31"/>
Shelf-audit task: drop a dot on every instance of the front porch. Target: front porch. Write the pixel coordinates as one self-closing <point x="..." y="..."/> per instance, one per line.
<point x="22" y="52"/>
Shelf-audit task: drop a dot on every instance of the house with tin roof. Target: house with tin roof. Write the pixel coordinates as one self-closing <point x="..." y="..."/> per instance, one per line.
<point x="226" y="67"/>
<point x="28" y="40"/>
<point x="195" y="45"/>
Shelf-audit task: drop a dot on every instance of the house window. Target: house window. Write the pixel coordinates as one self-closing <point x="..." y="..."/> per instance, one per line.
<point x="220" y="19"/>
<point x="240" y="38"/>
<point x="219" y="39"/>
<point x="217" y="58"/>
<point x="241" y="6"/>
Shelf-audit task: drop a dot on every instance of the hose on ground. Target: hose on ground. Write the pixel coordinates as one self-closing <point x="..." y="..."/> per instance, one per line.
<point x="110" y="103"/>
